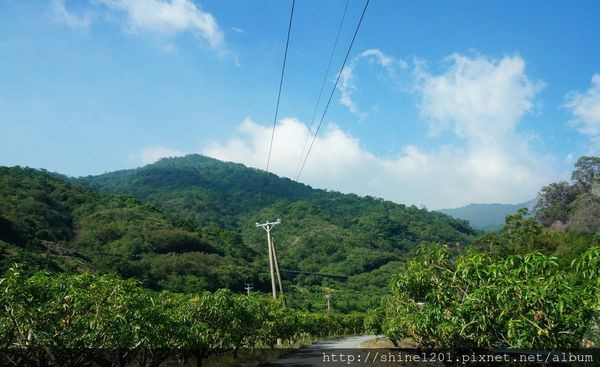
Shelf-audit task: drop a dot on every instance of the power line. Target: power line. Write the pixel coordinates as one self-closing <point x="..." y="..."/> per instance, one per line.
<point x="312" y="119"/>
<point x="333" y="90"/>
<point x="287" y="43"/>
<point x="334" y="276"/>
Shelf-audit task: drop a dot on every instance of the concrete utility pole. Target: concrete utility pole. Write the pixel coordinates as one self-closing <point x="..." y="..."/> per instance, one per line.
<point x="328" y="297"/>
<point x="248" y="288"/>
<point x="277" y="271"/>
<point x="273" y="263"/>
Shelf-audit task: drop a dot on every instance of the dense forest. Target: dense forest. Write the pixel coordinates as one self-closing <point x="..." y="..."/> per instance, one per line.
<point x="147" y="248"/>
<point x="49" y="223"/>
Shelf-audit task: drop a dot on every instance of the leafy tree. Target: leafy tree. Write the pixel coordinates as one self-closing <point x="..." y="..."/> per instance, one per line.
<point x="575" y="206"/>
<point x="587" y="171"/>
<point x="476" y="300"/>
<point x="521" y="233"/>
<point x="554" y="203"/>
<point x="585" y="216"/>
<point x="374" y="320"/>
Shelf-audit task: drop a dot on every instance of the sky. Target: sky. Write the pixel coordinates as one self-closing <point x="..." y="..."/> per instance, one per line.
<point x="440" y="104"/>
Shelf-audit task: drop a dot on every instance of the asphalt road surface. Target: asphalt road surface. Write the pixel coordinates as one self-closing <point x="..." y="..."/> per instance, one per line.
<point x="331" y="353"/>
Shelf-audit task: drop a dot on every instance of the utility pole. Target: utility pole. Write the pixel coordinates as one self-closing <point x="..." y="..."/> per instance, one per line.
<point x="248" y="288"/>
<point x="328" y="297"/>
<point x="277" y="271"/>
<point x="273" y="265"/>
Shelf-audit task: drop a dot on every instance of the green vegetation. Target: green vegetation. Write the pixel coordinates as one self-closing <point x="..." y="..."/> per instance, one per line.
<point x="60" y="319"/>
<point x="191" y="228"/>
<point x="533" y="285"/>
<point x="232" y="196"/>
<point x="574" y="206"/>
<point x="565" y="221"/>
<point x="169" y="245"/>
<point x="49" y="223"/>
<point x="478" y="300"/>
<point x="523" y="234"/>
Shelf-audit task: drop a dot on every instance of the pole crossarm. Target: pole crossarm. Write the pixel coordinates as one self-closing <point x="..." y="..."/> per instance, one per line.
<point x="248" y="288"/>
<point x="268" y="225"/>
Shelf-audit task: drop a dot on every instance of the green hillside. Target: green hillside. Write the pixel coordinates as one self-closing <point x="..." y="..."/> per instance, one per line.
<point x="322" y="231"/>
<point x="188" y="224"/>
<point x="486" y="217"/>
<point x="50" y="223"/>
<point x="216" y="194"/>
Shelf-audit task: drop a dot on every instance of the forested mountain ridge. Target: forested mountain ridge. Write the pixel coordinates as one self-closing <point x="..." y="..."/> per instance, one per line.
<point x="232" y="196"/>
<point x="327" y="232"/>
<point x="212" y="192"/>
<point x="187" y="224"/>
<point x="48" y="222"/>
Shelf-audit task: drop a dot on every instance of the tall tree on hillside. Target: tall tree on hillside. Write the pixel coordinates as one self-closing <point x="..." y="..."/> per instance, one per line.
<point x="554" y="202"/>
<point x="521" y="233"/>
<point x="587" y="171"/>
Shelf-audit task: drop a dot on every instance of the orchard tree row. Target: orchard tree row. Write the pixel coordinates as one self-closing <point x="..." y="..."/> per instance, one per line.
<point x="61" y="319"/>
<point x="477" y="300"/>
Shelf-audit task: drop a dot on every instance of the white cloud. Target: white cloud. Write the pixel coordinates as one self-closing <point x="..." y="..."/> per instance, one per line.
<point x="347" y="82"/>
<point x="168" y="17"/>
<point x="347" y="87"/>
<point x="335" y="155"/>
<point x="585" y="108"/>
<point x="447" y="177"/>
<point x="382" y="58"/>
<point x="479" y="99"/>
<point x="74" y="21"/>
<point x="482" y="100"/>
<point x="153" y="154"/>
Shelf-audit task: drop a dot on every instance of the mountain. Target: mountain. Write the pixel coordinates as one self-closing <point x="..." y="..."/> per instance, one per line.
<point x="321" y="231"/>
<point x="188" y="224"/>
<point x="232" y="196"/>
<point x="49" y="223"/>
<point x="486" y="217"/>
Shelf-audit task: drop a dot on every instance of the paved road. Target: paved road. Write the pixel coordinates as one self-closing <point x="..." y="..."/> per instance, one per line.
<point x="313" y="355"/>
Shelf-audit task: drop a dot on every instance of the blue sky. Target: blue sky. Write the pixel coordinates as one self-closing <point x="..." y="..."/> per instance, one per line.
<point x="441" y="103"/>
